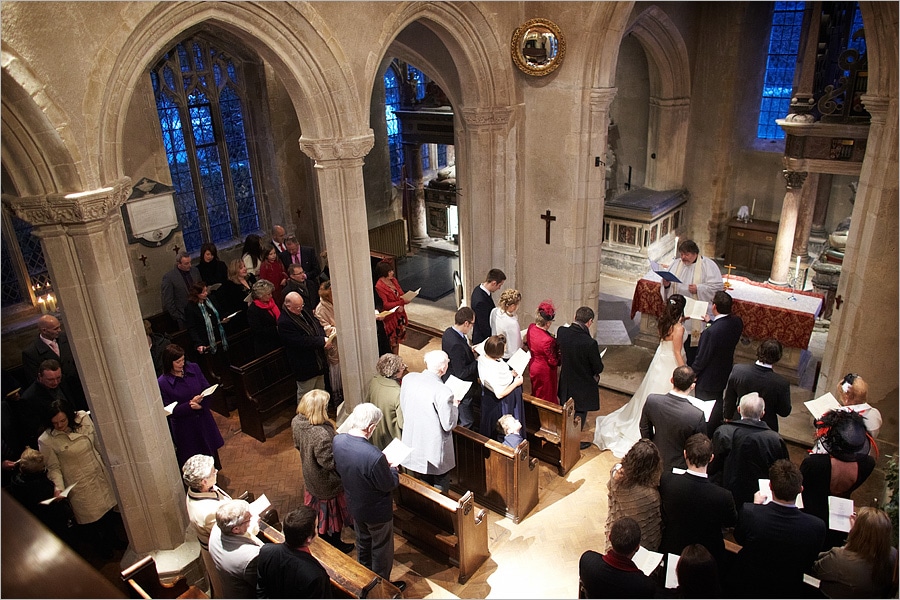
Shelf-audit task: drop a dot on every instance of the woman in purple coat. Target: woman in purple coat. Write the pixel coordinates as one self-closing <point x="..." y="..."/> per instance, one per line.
<point x="193" y="428"/>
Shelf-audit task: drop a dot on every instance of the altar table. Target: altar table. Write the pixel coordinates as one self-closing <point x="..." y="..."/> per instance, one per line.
<point x="764" y="308"/>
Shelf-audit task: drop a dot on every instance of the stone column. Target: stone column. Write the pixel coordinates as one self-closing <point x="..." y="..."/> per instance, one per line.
<point x="804" y="222"/>
<point x="486" y="171"/>
<point x="818" y="235"/>
<point x="414" y="194"/>
<point x="83" y="239"/>
<point x="338" y="168"/>
<point x="781" y="263"/>
<point x="863" y="335"/>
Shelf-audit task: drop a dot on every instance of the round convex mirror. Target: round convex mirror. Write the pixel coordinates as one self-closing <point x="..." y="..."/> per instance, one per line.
<point x="538" y="47"/>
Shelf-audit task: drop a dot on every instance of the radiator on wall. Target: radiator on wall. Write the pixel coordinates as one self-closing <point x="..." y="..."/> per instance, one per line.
<point x="389" y="238"/>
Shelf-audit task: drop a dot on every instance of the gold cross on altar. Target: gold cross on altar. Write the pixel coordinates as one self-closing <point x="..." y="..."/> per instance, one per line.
<point x="728" y="285"/>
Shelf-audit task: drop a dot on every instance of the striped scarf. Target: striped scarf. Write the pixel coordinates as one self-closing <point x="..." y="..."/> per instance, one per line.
<point x="205" y="308"/>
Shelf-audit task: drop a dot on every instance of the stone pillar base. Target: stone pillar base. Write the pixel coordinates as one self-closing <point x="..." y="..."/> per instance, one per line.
<point x="184" y="561"/>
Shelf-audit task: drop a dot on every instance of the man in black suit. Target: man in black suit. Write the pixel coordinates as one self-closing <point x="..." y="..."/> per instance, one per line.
<point x="304" y="343"/>
<point x="175" y="285"/>
<point x="52" y="344"/>
<point x="483" y="304"/>
<point x="762" y="378"/>
<point x="463" y="364"/>
<point x="30" y="411"/>
<point x="305" y="256"/>
<point x="278" y="239"/>
<point x="580" y="365"/>
<point x="745" y="450"/>
<point x="670" y="419"/>
<point x="288" y="570"/>
<point x="695" y="510"/>
<point x="715" y="356"/>
<point x="779" y="541"/>
<point x="614" y="574"/>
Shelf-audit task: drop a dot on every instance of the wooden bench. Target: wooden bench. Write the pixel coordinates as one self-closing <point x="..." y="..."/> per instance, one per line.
<point x="143" y="581"/>
<point x="553" y="432"/>
<point x="264" y="386"/>
<point x="349" y="579"/>
<point x="455" y="529"/>
<point x="503" y="479"/>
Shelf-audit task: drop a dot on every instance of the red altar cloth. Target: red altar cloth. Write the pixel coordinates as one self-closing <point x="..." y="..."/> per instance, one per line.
<point x="790" y="327"/>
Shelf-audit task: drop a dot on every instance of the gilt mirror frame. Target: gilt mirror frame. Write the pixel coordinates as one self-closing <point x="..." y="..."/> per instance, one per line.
<point x="538" y="47"/>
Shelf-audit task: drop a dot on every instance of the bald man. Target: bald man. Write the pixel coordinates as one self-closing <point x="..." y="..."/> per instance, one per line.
<point x="304" y="343"/>
<point x="278" y="238"/>
<point x="52" y="344"/>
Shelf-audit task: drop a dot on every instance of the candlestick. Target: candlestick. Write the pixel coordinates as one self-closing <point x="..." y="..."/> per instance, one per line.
<point x="753" y="207"/>
<point x="42" y="305"/>
<point x="676" y="245"/>
<point x="797" y="268"/>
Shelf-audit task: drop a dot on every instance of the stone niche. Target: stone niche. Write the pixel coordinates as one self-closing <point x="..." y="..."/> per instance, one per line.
<point x="639" y="226"/>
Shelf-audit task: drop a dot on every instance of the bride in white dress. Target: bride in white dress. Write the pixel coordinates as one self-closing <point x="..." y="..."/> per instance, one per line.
<point x="619" y="430"/>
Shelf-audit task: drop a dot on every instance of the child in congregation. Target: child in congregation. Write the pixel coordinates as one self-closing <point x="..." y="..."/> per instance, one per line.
<point x="511" y="429"/>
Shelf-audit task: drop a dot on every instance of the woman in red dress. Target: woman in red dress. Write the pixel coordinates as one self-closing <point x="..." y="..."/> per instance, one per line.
<point x="272" y="269"/>
<point x="544" y="354"/>
<point x="391" y="294"/>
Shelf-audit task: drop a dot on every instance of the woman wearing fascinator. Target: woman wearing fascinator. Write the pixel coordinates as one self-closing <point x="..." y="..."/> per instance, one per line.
<point x="619" y="430"/>
<point x="544" y="353"/>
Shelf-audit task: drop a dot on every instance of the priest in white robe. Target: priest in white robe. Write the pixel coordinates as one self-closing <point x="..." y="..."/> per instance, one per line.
<point x="700" y="279"/>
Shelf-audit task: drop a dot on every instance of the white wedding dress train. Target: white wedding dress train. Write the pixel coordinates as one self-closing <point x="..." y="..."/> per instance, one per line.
<point x="619" y="430"/>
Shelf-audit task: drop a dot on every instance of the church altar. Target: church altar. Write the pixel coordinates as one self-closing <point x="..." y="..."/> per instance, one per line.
<point x="764" y="308"/>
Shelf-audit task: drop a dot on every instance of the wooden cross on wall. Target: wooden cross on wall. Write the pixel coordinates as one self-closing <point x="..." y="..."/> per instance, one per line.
<point x="548" y="218"/>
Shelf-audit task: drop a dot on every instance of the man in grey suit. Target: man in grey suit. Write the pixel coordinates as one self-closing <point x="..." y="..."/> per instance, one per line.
<point x="670" y="419"/>
<point x="175" y="286"/>
<point x="234" y="548"/>
<point x="430" y="413"/>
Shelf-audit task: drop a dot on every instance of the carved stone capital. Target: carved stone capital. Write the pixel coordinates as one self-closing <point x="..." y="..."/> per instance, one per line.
<point x="338" y="149"/>
<point x="71" y="209"/>
<point x="876" y="106"/>
<point x="794" y="179"/>
<point x="479" y="117"/>
<point x="601" y="98"/>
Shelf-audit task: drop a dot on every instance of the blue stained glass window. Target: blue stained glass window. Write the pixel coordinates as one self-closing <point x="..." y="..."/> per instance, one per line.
<point x="441" y="155"/>
<point x="205" y="138"/>
<point x="858" y="43"/>
<point x="392" y="103"/>
<point x="784" y="41"/>
<point x="426" y="157"/>
<point x="421" y="81"/>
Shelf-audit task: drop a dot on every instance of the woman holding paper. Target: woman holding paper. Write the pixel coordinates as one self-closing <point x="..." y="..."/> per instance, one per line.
<point x="313" y="435"/>
<point x="391" y="294"/>
<point x="501" y="388"/>
<point x="194" y="431"/>
<point x="324" y="312"/>
<point x="202" y="320"/>
<point x="505" y="322"/>
<point x="72" y="456"/>
<point x="619" y="430"/>
<point x="544" y="354"/>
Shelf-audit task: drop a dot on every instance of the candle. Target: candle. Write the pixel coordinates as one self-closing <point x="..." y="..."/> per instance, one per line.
<point x="51" y="303"/>
<point x="753" y="207"/>
<point x="797" y="269"/>
<point x="43" y="305"/>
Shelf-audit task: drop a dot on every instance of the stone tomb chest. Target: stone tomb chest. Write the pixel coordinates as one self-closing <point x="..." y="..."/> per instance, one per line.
<point x="638" y="226"/>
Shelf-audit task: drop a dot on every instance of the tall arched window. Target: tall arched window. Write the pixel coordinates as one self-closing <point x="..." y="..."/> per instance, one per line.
<point x="392" y="103"/>
<point x="201" y="102"/>
<point x="784" y="40"/>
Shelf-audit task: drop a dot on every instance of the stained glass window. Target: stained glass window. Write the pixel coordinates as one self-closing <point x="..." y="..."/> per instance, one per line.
<point x="200" y="101"/>
<point x="392" y="103"/>
<point x="441" y="155"/>
<point x="784" y="40"/>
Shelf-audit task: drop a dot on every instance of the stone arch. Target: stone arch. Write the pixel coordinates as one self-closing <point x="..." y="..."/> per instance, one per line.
<point x="291" y="36"/>
<point x="466" y="58"/>
<point x="670" y="91"/>
<point x="37" y="148"/>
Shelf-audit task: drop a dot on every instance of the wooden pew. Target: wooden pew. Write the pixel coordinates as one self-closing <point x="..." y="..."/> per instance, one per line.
<point x="143" y="581"/>
<point x="349" y="579"/>
<point x="455" y="529"/>
<point x="553" y="432"/>
<point x="264" y="385"/>
<point x="503" y="479"/>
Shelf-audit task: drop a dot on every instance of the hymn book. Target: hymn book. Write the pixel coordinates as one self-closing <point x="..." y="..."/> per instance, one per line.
<point x="839" y="512"/>
<point x="408" y="296"/>
<point x="766" y="492"/>
<point x="385" y="313"/>
<point x="646" y="560"/>
<point x="458" y="386"/>
<point x="668" y="276"/>
<point x="62" y="494"/>
<point x="170" y="407"/>
<point x="827" y="402"/>
<point x="705" y="406"/>
<point x="396" y="452"/>
<point x="695" y="309"/>
<point x="671" y="573"/>
<point x="518" y="362"/>
<point x="208" y="391"/>
<point x="259" y="505"/>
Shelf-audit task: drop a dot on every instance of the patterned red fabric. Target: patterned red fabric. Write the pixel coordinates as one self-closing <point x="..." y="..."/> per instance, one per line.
<point x="790" y="327"/>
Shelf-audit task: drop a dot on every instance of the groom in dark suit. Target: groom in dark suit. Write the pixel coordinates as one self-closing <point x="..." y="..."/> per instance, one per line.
<point x="580" y="366"/>
<point x="483" y="304"/>
<point x="715" y="356"/>
<point x="670" y="419"/>
<point x="463" y="364"/>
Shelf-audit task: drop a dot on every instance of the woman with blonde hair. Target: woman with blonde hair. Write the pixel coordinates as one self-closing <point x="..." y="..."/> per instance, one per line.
<point x="313" y="435"/>
<point x="504" y="321"/>
<point x="324" y="312"/>
<point x="232" y="296"/>
<point x="865" y="566"/>
<point x="634" y="492"/>
<point x="853" y="392"/>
